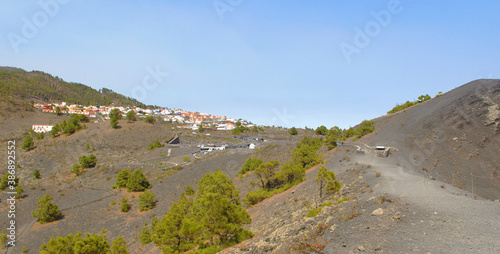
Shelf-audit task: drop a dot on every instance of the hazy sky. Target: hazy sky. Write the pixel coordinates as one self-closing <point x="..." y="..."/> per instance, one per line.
<point x="287" y="63"/>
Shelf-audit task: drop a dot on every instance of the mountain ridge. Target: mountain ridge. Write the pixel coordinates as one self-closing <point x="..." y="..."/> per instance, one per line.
<point x="21" y="85"/>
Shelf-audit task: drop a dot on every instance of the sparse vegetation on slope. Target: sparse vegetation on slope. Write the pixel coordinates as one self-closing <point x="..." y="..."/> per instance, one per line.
<point x="239" y="129"/>
<point x="335" y="134"/>
<point x="408" y="104"/>
<point x="71" y="126"/>
<point x="272" y="181"/>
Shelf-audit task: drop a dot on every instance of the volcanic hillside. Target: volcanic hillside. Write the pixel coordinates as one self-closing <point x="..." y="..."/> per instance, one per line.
<point x="454" y="138"/>
<point x="417" y="199"/>
<point x="422" y="190"/>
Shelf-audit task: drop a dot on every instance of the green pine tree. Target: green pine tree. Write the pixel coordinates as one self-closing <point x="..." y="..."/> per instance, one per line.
<point x="46" y="211"/>
<point x="28" y="143"/>
<point x="36" y="174"/>
<point x="19" y="192"/>
<point x="114" y="123"/>
<point x="145" y="236"/>
<point x="327" y="182"/>
<point x="211" y="219"/>
<point x="125" y="207"/>
<point x="138" y="182"/>
<point x="131" y="116"/>
<point x="122" y="178"/>
<point x="119" y="246"/>
<point x="146" y="201"/>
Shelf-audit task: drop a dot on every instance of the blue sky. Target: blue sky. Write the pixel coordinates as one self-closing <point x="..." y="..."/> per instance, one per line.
<point x="270" y="62"/>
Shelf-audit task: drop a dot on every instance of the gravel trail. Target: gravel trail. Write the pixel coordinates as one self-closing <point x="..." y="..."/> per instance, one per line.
<point x="456" y="222"/>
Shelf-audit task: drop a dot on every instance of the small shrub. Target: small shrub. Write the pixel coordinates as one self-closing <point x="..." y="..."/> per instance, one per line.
<point x="125" y="207"/>
<point x="4" y="183"/>
<point x="87" y="162"/>
<point x="77" y="170"/>
<point x="257" y="196"/>
<point x="378" y="174"/>
<point x="122" y="178"/>
<point x="36" y="174"/>
<point x="3" y="239"/>
<point x="146" y="201"/>
<point x="150" y="119"/>
<point x="19" y="192"/>
<point x="353" y="214"/>
<point x="314" y="211"/>
<point x="342" y="200"/>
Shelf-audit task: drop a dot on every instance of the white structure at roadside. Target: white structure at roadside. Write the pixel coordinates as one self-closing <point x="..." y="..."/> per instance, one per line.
<point x="38" y="128"/>
<point x="225" y="126"/>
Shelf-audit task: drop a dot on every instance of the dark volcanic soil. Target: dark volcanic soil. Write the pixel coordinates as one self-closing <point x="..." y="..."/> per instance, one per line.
<point x="88" y="203"/>
<point x="439" y="149"/>
<point x="454" y="138"/>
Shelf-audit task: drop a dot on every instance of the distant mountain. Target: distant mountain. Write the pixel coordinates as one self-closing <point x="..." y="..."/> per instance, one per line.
<point x="18" y="84"/>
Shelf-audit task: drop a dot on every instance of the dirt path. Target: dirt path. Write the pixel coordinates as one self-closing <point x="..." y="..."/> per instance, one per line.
<point x="453" y="222"/>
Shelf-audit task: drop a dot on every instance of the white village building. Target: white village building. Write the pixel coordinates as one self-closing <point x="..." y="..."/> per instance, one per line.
<point x="38" y="128"/>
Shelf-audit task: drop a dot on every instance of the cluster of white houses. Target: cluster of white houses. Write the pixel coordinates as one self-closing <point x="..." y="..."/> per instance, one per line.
<point x="191" y="120"/>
